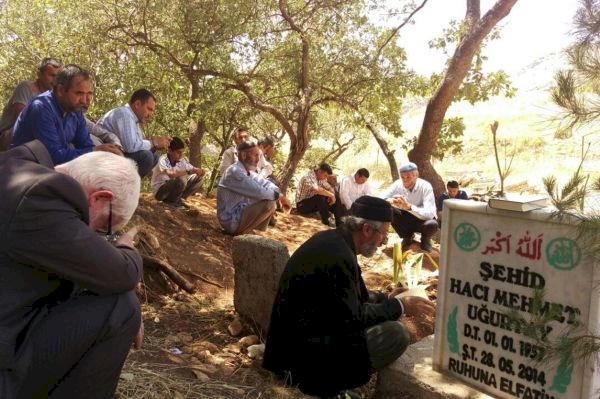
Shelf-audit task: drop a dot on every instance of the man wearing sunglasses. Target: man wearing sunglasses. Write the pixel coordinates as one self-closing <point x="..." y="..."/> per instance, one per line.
<point x="68" y="310"/>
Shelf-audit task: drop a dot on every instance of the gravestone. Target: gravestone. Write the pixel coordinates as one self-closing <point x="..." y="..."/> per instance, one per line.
<point x="493" y="260"/>
<point x="258" y="264"/>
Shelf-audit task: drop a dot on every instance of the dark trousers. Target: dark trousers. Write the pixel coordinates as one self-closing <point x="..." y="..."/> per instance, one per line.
<point x="145" y="160"/>
<point x="181" y="187"/>
<point x="318" y="203"/>
<point x="340" y="206"/>
<point x="75" y="350"/>
<point x="406" y="224"/>
<point x="386" y="342"/>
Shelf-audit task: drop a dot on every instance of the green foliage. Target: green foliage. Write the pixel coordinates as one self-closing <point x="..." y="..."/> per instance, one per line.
<point x="571" y="345"/>
<point x="450" y="141"/>
<point x="477" y="86"/>
<point x="407" y="266"/>
<point x="282" y="68"/>
<point x="577" y="90"/>
<point x="571" y="198"/>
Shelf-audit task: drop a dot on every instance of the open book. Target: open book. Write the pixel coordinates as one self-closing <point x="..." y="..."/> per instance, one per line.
<point x="520" y="203"/>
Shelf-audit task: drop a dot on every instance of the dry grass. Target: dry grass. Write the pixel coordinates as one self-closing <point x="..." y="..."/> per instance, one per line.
<point x="186" y="321"/>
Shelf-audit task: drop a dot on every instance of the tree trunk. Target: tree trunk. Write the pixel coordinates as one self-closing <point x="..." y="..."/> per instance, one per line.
<point x="196" y="143"/>
<point x="299" y="141"/>
<point x="387" y="153"/>
<point x="458" y="67"/>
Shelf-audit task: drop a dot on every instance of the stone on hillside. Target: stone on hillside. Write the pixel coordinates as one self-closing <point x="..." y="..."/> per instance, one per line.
<point x="256" y="351"/>
<point x="258" y="264"/>
<point x="235" y="328"/>
<point x="249" y="340"/>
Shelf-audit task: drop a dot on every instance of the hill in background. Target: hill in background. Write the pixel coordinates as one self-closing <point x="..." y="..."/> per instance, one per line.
<point x="527" y="123"/>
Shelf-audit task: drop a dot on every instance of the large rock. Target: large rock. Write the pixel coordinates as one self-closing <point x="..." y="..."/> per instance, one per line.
<point x="258" y="264"/>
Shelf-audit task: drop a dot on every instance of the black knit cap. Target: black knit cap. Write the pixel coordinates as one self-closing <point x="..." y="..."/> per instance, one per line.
<point x="372" y="208"/>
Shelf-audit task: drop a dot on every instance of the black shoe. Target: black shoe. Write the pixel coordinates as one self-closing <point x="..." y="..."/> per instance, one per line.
<point x="272" y="221"/>
<point x="426" y="245"/>
<point x="406" y="241"/>
<point x="175" y="204"/>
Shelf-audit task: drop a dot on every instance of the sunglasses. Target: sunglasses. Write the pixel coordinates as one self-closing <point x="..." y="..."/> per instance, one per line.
<point x="110" y="236"/>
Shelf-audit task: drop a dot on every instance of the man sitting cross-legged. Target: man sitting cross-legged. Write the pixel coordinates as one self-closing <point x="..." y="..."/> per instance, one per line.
<point x="245" y="200"/>
<point x="174" y="178"/>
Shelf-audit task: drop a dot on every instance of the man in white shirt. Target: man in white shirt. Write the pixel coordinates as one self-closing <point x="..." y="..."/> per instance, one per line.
<point x="414" y="207"/>
<point x="230" y="156"/>
<point x="353" y="187"/>
<point x="174" y="178"/>
<point x="265" y="167"/>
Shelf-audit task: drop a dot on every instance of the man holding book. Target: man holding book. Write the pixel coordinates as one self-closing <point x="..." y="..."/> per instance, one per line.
<point x="414" y="207"/>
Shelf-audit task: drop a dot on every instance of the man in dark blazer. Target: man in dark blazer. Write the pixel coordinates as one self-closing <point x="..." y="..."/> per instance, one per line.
<point x="328" y="333"/>
<point x="68" y="310"/>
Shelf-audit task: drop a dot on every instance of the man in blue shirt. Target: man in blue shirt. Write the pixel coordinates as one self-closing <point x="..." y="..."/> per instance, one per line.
<point x="125" y="122"/>
<point x="245" y="200"/>
<point x="56" y="118"/>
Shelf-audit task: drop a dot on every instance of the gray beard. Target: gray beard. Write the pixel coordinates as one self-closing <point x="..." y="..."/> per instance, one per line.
<point x="367" y="249"/>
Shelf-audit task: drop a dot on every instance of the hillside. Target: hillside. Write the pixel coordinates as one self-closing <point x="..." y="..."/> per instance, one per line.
<point x="189" y="350"/>
<point x="527" y="123"/>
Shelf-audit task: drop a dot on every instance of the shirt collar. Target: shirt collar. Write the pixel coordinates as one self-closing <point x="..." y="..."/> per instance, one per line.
<point x="132" y="113"/>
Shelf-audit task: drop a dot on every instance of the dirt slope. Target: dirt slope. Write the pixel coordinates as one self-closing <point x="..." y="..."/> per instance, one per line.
<point x="189" y="351"/>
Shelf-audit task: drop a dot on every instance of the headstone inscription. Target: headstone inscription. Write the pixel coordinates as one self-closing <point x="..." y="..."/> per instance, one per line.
<point x="492" y="261"/>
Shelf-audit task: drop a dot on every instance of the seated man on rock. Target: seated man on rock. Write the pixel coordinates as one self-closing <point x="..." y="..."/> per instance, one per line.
<point x="328" y="333"/>
<point x="413" y="202"/>
<point x="315" y="194"/>
<point x="174" y="178"/>
<point x="68" y="309"/>
<point x="245" y="200"/>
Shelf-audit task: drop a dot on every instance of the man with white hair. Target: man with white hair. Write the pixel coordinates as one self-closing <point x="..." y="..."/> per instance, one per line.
<point x="328" y="333"/>
<point x="68" y="310"/>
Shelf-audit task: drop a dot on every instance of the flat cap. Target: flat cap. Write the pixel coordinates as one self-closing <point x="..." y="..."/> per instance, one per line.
<point x="408" y="167"/>
<point x="372" y="208"/>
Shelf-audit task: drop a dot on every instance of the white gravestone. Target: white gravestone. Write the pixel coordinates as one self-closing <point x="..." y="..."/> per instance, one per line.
<point x="494" y="259"/>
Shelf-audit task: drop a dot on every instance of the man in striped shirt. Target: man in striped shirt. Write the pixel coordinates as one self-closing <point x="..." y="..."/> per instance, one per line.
<point x="315" y="194"/>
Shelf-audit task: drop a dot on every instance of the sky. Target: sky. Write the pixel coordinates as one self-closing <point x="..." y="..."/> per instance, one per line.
<point x="533" y="28"/>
